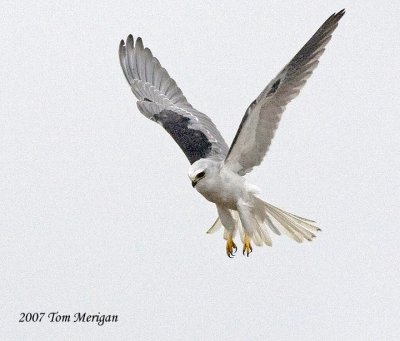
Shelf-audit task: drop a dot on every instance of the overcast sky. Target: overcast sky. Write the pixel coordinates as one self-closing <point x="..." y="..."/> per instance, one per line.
<point x="97" y="213"/>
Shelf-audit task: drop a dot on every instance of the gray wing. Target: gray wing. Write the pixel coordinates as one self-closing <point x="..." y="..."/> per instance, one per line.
<point x="261" y="119"/>
<point x="161" y="100"/>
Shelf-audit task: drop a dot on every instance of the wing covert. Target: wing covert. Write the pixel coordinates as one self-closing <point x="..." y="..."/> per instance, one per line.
<point x="162" y="101"/>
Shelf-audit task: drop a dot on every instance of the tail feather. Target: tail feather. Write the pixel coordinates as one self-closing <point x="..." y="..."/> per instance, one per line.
<point x="261" y="229"/>
<point x="302" y="221"/>
<point x="299" y="230"/>
<point x="265" y="235"/>
<point x="277" y="220"/>
<point x="285" y="229"/>
<point x="287" y="223"/>
<point x="257" y="238"/>
<point x="291" y="214"/>
<point x="272" y="225"/>
<point x="215" y="227"/>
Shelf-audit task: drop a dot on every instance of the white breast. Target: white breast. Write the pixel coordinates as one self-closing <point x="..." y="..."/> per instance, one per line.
<point x="223" y="188"/>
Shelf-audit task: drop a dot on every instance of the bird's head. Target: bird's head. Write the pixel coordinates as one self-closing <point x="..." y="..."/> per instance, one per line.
<point x="201" y="169"/>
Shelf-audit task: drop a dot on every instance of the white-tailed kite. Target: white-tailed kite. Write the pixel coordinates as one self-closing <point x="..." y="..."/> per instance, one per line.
<point x="216" y="170"/>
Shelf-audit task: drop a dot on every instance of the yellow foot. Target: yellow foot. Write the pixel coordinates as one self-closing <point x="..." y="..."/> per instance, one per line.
<point x="230" y="245"/>
<point x="247" y="246"/>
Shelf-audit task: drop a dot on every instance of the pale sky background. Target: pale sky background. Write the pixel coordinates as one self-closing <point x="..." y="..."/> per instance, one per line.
<point x="98" y="214"/>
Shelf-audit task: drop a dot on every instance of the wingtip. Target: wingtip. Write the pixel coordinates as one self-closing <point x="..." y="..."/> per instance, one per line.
<point x="121" y="51"/>
<point x="341" y="13"/>
<point x="129" y="40"/>
<point x="139" y="43"/>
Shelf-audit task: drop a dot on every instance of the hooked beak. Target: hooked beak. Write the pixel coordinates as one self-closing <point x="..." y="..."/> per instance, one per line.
<point x="194" y="183"/>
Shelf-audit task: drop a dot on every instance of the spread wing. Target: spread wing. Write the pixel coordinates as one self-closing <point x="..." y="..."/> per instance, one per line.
<point x="161" y="100"/>
<point x="261" y="119"/>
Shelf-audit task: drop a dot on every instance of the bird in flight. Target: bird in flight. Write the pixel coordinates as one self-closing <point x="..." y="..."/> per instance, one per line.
<point x="217" y="170"/>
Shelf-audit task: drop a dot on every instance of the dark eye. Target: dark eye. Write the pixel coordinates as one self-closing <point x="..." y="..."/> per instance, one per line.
<point x="200" y="175"/>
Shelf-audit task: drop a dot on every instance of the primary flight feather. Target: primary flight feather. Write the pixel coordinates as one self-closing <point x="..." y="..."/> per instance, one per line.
<point x="216" y="170"/>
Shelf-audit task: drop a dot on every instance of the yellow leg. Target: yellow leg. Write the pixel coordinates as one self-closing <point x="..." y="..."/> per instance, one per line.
<point x="247" y="246"/>
<point x="230" y="245"/>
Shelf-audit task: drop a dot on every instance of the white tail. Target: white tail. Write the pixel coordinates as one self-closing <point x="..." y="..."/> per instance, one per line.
<point x="278" y="221"/>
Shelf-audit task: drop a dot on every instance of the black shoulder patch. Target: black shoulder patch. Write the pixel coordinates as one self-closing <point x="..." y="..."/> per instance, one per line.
<point x="194" y="143"/>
